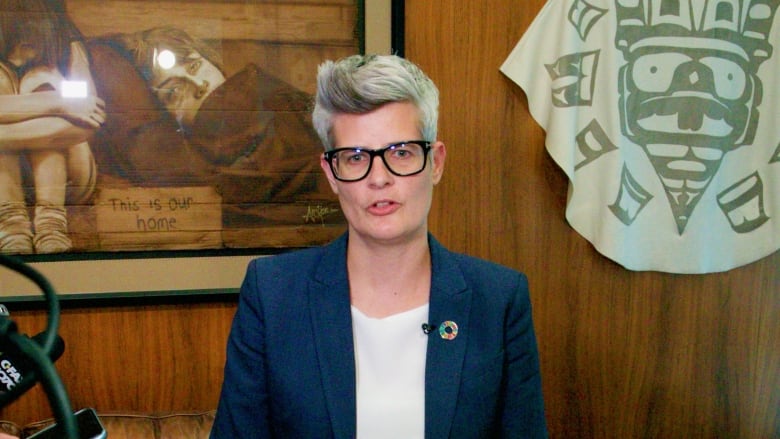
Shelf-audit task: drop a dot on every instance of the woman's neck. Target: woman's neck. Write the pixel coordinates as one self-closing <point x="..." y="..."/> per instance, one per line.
<point x="386" y="280"/>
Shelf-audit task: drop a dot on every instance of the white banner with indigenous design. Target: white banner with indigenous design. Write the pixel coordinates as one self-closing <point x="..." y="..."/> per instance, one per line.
<point x="665" y="116"/>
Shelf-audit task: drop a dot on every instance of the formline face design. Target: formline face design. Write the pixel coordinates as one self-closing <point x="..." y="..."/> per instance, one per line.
<point x="679" y="136"/>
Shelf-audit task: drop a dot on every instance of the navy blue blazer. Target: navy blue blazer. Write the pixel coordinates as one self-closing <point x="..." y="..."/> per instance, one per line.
<point x="290" y="370"/>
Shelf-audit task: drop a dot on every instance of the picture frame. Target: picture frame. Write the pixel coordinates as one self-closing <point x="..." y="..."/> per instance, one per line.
<point x="192" y="273"/>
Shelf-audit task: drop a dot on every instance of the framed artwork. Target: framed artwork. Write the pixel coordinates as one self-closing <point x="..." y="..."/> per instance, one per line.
<point x="199" y="153"/>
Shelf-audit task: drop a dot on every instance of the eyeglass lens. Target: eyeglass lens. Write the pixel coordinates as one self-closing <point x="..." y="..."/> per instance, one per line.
<point x="401" y="159"/>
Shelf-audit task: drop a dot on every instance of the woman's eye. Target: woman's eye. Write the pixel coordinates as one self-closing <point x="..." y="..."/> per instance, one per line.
<point x="169" y="94"/>
<point x="400" y="153"/>
<point x="356" y="158"/>
<point x="166" y="94"/>
<point x="194" y="66"/>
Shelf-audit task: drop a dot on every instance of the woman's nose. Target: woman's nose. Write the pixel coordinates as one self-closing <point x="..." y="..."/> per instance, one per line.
<point x="202" y="89"/>
<point x="379" y="175"/>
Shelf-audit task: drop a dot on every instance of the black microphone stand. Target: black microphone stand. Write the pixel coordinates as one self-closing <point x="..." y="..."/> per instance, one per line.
<point x="39" y="356"/>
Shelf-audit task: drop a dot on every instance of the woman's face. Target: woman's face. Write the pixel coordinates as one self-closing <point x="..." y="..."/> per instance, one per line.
<point x="385" y="208"/>
<point x="21" y="54"/>
<point x="183" y="87"/>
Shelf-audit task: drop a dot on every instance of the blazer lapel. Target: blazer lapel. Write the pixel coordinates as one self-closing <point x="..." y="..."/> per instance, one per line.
<point x="332" y="325"/>
<point x="450" y="302"/>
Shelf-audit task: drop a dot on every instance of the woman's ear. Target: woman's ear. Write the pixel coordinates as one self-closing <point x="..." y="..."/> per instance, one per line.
<point x="439" y="154"/>
<point x="328" y="173"/>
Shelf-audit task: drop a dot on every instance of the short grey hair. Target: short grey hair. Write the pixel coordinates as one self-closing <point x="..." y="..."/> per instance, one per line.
<point x="359" y="84"/>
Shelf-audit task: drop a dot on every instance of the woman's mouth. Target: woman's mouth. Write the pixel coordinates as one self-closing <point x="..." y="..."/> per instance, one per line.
<point x="383" y="207"/>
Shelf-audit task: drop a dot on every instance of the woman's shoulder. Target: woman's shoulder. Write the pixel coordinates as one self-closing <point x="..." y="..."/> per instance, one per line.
<point x="472" y="266"/>
<point x="492" y="284"/>
<point x="489" y="272"/>
<point x="298" y="258"/>
<point x="303" y="263"/>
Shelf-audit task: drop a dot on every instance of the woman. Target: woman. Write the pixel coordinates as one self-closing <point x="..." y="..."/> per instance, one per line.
<point x="382" y="333"/>
<point x="40" y="130"/>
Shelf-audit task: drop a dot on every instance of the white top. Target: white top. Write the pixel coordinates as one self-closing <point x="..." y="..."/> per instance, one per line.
<point x="390" y="366"/>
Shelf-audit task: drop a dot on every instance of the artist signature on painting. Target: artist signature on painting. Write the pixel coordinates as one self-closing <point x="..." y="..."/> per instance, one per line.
<point x="317" y="214"/>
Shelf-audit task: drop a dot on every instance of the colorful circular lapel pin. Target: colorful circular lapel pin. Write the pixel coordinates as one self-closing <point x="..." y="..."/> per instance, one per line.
<point x="448" y="330"/>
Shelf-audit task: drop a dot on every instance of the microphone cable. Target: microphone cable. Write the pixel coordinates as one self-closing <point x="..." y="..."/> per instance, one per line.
<point x="53" y="304"/>
<point x="50" y="380"/>
<point x="39" y="355"/>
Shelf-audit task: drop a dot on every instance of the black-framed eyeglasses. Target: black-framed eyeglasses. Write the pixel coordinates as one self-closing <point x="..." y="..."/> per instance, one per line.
<point x="401" y="159"/>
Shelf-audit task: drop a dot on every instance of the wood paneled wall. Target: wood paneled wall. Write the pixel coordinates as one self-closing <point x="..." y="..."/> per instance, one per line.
<point x="624" y="354"/>
<point x="141" y="358"/>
